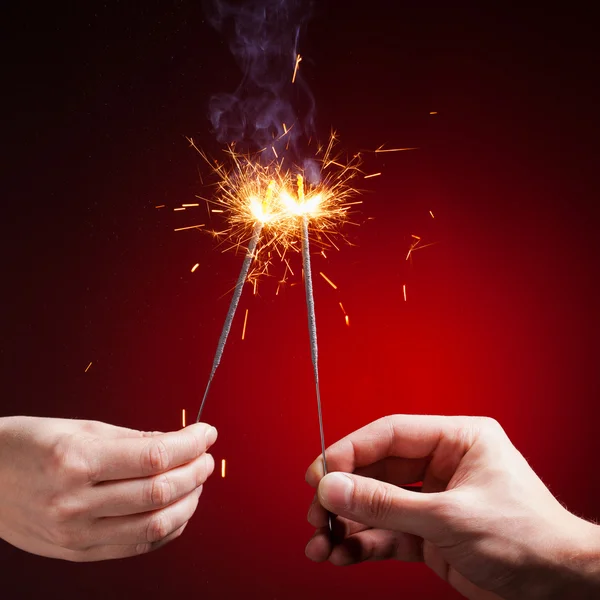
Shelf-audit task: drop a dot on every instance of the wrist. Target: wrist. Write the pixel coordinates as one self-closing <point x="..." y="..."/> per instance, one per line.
<point x="574" y="569"/>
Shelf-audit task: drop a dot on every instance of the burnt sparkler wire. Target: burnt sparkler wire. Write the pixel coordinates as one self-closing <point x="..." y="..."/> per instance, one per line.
<point x="237" y="293"/>
<point x="312" y="333"/>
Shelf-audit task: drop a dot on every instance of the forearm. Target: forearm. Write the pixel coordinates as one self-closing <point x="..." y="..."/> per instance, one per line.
<point x="572" y="568"/>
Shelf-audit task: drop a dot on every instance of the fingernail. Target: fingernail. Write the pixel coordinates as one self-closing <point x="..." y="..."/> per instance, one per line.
<point x="335" y="490"/>
<point x="211" y="436"/>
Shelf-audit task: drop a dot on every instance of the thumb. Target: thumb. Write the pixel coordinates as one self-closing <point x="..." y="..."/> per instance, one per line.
<point x="381" y="505"/>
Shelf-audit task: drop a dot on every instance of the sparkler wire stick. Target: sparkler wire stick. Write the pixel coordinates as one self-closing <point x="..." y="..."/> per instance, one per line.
<point x="312" y="333"/>
<point x="237" y="293"/>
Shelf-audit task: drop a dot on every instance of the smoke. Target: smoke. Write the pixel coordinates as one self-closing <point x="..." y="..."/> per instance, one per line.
<point x="263" y="37"/>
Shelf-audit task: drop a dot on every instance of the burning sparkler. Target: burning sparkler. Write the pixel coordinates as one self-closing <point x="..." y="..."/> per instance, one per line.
<point x="264" y="200"/>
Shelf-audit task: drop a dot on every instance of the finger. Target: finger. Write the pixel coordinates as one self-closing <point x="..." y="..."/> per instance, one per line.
<point x="129" y="458"/>
<point x="133" y="496"/>
<point x="377" y="544"/>
<point x="106" y="430"/>
<point x="145" y="528"/>
<point x="319" y="546"/>
<point x="114" y="552"/>
<point x="403" y="436"/>
<point x="382" y="505"/>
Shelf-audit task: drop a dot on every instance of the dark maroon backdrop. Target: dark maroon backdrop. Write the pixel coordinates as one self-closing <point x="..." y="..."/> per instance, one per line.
<point x="501" y="317"/>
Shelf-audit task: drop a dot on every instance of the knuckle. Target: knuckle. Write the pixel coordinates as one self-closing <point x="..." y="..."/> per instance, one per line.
<point x="63" y="510"/>
<point x="143" y="548"/>
<point x="68" y="460"/>
<point x="158" y="528"/>
<point x="155" y="457"/>
<point x="488" y="426"/>
<point x="379" y="502"/>
<point x="160" y="493"/>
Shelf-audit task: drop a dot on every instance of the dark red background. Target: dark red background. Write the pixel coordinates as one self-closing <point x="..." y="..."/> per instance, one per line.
<point x="502" y="314"/>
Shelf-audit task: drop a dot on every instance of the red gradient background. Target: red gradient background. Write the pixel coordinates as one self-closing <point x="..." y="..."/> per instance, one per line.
<point x="502" y="314"/>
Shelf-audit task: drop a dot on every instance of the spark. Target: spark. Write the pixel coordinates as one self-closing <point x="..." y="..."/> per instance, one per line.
<point x="434" y="112"/>
<point x="189" y="205"/>
<point x="431" y="215"/>
<point x="160" y="206"/>
<point x="415" y="236"/>
<point x="382" y="149"/>
<point x="404" y="290"/>
<point x="245" y="323"/>
<point x="183" y="417"/>
<point x="223" y="467"/>
<point x="190" y="227"/>
<point x="88" y="368"/>
<point x="298" y="61"/>
<point x="347" y="320"/>
<point x="323" y="253"/>
<point x="328" y="280"/>
<point x="342" y="307"/>
<point x="215" y="210"/>
<point x="373" y="175"/>
<point x="195" y="267"/>
<point x="178" y="209"/>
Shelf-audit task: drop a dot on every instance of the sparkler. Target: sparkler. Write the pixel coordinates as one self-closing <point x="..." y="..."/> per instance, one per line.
<point x="258" y="197"/>
<point x="239" y="286"/>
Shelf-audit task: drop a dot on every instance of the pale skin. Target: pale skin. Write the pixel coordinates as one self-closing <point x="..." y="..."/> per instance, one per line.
<point x="484" y="521"/>
<point x="88" y="491"/>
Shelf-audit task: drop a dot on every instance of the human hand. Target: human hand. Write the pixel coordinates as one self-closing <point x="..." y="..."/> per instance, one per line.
<point x="86" y="491"/>
<point x="484" y="521"/>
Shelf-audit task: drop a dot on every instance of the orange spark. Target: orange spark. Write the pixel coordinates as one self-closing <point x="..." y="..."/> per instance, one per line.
<point x="223" y="465"/>
<point x="245" y="322"/>
<point x="189" y="205"/>
<point x="191" y="227"/>
<point x="415" y="236"/>
<point x="180" y="208"/>
<point x="323" y="253"/>
<point x="195" y="267"/>
<point x="382" y="149"/>
<point x="348" y="320"/>
<point x="404" y="290"/>
<point x="374" y="175"/>
<point x="328" y="281"/>
<point x="217" y="210"/>
<point x="298" y="61"/>
<point x="161" y="206"/>
<point x="183" y="417"/>
<point x="87" y="368"/>
<point x="431" y="215"/>
<point x="342" y="307"/>
<point x="434" y="112"/>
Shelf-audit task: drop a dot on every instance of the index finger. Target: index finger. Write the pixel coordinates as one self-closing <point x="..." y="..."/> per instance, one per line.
<point x="129" y="458"/>
<point x="403" y="436"/>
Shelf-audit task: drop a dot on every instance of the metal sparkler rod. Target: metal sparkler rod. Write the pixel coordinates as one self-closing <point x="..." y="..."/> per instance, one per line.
<point x="237" y="293"/>
<point x="312" y="333"/>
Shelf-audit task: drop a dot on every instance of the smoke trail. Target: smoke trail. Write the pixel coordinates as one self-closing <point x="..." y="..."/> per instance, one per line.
<point x="263" y="37"/>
